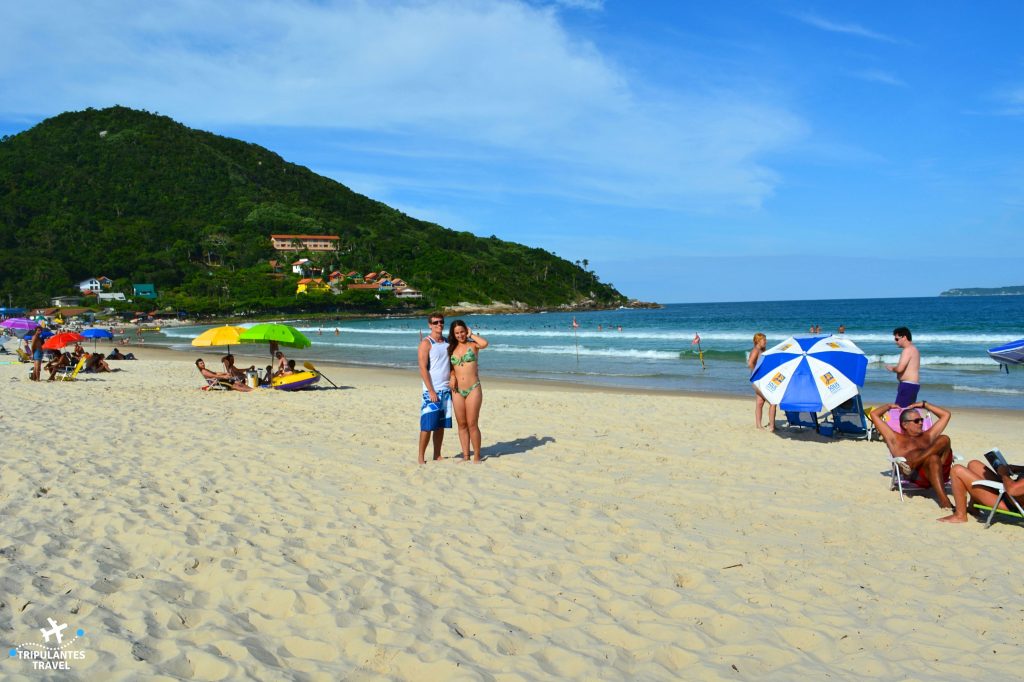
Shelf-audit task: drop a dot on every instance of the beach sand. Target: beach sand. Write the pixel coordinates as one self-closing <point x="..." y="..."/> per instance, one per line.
<point x="607" y="535"/>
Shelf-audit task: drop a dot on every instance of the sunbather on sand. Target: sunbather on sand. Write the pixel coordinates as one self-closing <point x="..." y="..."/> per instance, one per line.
<point x="96" y="364"/>
<point x="964" y="493"/>
<point x="926" y="452"/>
<point x="222" y="378"/>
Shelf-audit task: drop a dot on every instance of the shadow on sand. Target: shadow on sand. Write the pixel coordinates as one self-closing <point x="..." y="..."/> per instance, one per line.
<point x="518" y="446"/>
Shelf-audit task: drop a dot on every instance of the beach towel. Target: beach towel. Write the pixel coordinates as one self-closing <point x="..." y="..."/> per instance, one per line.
<point x="435" y="416"/>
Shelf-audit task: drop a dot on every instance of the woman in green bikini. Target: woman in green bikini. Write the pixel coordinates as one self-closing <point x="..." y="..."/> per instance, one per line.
<point x="467" y="393"/>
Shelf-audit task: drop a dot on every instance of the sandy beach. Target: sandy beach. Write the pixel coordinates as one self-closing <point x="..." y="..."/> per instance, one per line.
<point x="607" y="535"/>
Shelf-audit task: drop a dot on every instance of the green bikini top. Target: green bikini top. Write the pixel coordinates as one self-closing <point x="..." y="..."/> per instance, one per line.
<point x="469" y="356"/>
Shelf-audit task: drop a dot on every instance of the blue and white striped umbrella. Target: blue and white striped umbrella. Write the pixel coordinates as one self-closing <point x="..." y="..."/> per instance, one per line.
<point x="810" y="373"/>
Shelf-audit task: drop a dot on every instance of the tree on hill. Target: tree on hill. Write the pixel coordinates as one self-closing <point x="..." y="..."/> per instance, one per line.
<point x="139" y="197"/>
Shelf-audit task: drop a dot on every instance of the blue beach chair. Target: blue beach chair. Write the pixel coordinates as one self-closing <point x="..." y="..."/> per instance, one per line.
<point x="849" y="421"/>
<point x="802" y="420"/>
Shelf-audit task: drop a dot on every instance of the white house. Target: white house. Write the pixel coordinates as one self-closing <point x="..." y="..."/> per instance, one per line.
<point x="116" y="296"/>
<point x="91" y="284"/>
<point x="300" y="266"/>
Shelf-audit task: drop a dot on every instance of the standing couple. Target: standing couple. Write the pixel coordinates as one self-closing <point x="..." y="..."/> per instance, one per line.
<point x="451" y="379"/>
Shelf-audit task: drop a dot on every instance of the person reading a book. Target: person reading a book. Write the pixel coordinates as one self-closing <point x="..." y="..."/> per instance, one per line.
<point x="965" y="493"/>
<point x="927" y="453"/>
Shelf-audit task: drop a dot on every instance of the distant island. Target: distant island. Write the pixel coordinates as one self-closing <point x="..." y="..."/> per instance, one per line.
<point x="981" y="291"/>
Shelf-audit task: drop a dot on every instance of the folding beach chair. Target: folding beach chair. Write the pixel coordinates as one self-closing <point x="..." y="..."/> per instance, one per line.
<point x="849" y="420"/>
<point x="802" y="420"/>
<point x="213" y="385"/>
<point x="1014" y="510"/>
<point x="1013" y="507"/>
<point x="69" y="373"/>
<point x="908" y="487"/>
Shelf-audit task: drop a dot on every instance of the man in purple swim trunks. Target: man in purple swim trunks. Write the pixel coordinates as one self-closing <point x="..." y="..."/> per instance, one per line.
<point x="908" y="370"/>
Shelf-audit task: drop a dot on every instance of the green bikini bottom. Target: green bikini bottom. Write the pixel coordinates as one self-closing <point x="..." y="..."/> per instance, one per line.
<point x="465" y="394"/>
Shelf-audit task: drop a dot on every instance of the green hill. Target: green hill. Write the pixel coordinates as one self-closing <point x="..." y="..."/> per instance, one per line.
<point x="138" y="197"/>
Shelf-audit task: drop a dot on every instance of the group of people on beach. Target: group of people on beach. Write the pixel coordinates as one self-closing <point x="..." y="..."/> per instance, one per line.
<point x="450" y="372"/>
<point x="60" y="361"/>
<point x="926" y="452"/>
<point x="237" y="378"/>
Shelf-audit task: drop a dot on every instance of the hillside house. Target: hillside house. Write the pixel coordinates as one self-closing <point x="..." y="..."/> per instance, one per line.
<point x="302" y="266"/>
<point x="305" y="242"/>
<point x="92" y="284"/>
<point x="62" y="301"/>
<point x="307" y="285"/>
<point x="144" y="290"/>
<point x="407" y="292"/>
<point x="105" y="282"/>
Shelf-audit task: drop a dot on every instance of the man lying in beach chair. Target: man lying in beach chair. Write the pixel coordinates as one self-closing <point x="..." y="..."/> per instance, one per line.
<point x="216" y="381"/>
<point x="992" y="488"/>
<point x="920" y="457"/>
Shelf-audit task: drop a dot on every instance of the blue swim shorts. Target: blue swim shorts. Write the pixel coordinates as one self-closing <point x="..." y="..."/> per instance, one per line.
<point x="37" y="354"/>
<point x="906" y="393"/>
<point x="436" y="416"/>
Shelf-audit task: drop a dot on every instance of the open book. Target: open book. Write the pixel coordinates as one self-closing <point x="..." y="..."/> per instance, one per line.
<point x="996" y="460"/>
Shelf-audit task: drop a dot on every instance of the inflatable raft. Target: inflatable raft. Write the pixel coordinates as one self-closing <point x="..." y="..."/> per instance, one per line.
<point x="296" y="381"/>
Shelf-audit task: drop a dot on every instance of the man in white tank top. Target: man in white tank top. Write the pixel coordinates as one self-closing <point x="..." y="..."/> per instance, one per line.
<point x="435" y="371"/>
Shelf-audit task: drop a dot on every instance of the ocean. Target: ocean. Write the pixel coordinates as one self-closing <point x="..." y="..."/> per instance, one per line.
<point x="652" y="349"/>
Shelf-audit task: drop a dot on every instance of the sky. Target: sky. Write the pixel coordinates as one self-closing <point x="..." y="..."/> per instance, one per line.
<point x="688" y="151"/>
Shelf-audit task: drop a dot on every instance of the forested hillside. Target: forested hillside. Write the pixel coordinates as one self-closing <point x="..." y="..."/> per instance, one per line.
<point x="138" y="197"/>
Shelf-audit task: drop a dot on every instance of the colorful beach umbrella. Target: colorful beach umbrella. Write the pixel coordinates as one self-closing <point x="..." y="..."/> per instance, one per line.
<point x="810" y="373"/>
<point x="62" y="339"/>
<point x="219" y="336"/>
<point x="19" y="323"/>
<point x="44" y="334"/>
<point x="283" y="334"/>
<point x="95" y="334"/>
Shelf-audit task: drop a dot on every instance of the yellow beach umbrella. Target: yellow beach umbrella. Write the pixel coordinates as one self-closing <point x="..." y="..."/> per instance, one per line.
<point x="219" y="336"/>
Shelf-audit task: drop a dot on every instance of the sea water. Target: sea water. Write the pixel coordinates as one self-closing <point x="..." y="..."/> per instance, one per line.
<point x="653" y="349"/>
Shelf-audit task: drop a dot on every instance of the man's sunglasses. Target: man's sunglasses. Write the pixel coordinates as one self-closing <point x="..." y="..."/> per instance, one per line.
<point x="433" y="322"/>
<point x="915" y="421"/>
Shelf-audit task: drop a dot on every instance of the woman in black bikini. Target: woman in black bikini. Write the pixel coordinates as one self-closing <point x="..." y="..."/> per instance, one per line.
<point x="467" y="393"/>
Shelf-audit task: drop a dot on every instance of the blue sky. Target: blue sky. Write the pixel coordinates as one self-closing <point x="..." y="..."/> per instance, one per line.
<point x="690" y="151"/>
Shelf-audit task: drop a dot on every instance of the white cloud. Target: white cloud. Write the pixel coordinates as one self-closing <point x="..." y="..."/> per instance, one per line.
<point x="590" y="5"/>
<point x="505" y="79"/>
<point x="848" y="29"/>
<point x="876" y="76"/>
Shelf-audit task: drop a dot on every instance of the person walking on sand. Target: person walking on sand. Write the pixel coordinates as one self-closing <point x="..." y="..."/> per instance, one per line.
<point x="435" y="371"/>
<point x="760" y="343"/>
<point x="467" y="394"/>
<point x="908" y="369"/>
<point x="927" y="453"/>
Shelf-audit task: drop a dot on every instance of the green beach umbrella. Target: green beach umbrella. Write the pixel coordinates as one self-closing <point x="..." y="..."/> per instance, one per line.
<point x="283" y="334"/>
